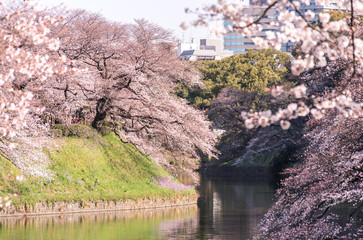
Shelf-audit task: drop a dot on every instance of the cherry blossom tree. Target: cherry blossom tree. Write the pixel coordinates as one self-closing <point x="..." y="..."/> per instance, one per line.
<point x="322" y="197"/>
<point x="318" y="44"/>
<point x="128" y="76"/>
<point x="330" y="173"/>
<point x="25" y="56"/>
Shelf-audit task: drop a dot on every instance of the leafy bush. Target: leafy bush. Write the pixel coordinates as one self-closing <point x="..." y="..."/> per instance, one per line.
<point x="253" y="71"/>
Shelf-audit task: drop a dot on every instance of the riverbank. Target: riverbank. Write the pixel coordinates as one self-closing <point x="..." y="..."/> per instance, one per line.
<point x="60" y="208"/>
<point x="84" y="171"/>
<point x="227" y="209"/>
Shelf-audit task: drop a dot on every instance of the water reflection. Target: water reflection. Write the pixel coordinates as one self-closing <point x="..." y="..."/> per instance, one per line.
<point x="232" y="209"/>
<point x="226" y="210"/>
<point x="147" y="224"/>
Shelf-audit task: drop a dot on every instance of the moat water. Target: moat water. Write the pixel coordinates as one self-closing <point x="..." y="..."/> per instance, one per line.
<point x="227" y="209"/>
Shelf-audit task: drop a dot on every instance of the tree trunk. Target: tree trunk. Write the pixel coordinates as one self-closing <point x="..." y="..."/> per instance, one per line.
<point x="101" y="112"/>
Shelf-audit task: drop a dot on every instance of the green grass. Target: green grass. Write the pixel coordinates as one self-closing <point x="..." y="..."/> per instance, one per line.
<point x="121" y="170"/>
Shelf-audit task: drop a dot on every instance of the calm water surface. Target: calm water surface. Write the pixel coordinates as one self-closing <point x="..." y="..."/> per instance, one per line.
<point x="226" y="210"/>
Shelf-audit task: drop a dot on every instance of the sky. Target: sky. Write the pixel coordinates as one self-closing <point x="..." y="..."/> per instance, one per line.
<point x="165" y="13"/>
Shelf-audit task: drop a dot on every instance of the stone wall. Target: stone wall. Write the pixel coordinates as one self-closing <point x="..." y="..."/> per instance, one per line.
<point x="43" y="208"/>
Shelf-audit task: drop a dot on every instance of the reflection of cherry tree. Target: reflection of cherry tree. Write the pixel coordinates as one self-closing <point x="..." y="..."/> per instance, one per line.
<point x="331" y="173"/>
<point x="25" y="56"/>
<point x="183" y="225"/>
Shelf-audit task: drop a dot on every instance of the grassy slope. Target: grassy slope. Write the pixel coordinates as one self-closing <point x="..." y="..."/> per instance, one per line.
<point x="121" y="170"/>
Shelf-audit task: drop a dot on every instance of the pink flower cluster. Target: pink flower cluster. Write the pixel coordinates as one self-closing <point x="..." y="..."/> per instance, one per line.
<point x="26" y="55"/>
<point x="344" y="105"/>
<point x="168" y="183"/>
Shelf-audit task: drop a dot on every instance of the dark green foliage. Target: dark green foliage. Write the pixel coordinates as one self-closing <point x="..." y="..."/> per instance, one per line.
<point x="237" y="84"/>
<point x="336" y="15"/>
<point x="253" y="71"/>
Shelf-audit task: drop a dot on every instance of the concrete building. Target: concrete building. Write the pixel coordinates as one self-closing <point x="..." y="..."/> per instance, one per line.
<point x="209" y="49"/>
<point x="240" y="44"/>
<point x="185" y="46"/>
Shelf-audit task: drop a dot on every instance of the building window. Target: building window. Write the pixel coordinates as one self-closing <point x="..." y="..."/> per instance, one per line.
<point x="228" y="23"/>
<point x="234" y="37"/>
<point x="237" y="50"/>
<point x="237" y="43"/>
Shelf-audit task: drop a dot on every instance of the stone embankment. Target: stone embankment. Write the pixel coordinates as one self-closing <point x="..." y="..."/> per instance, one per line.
<point x="97" y="206"/>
